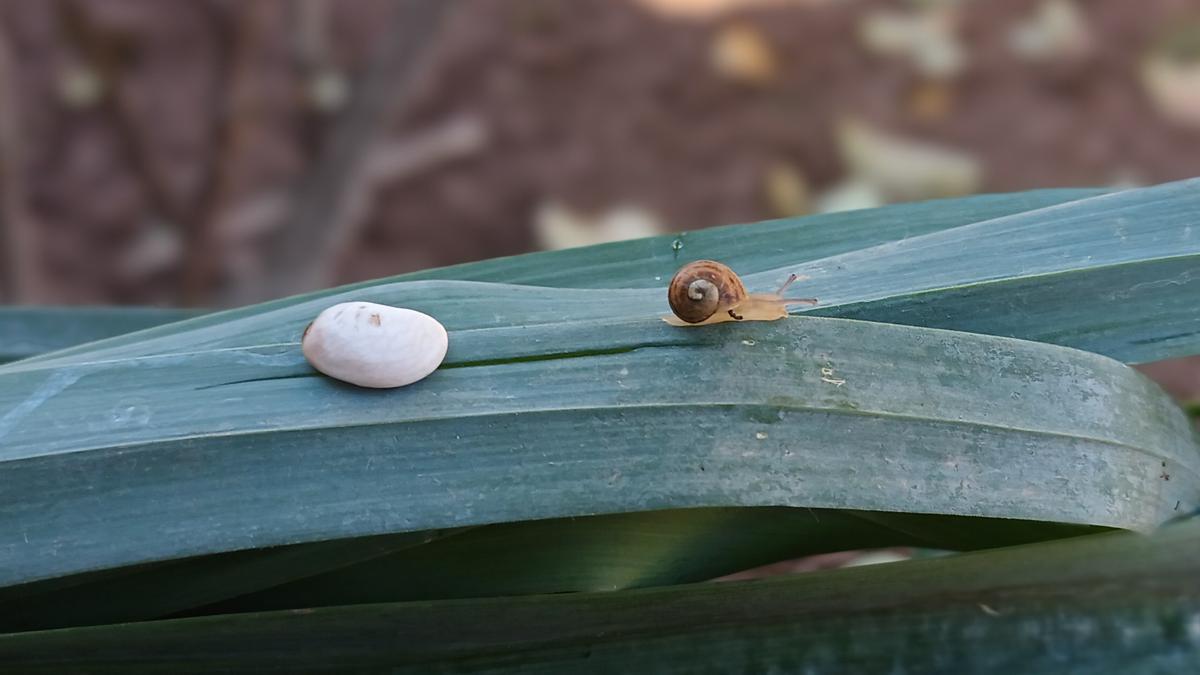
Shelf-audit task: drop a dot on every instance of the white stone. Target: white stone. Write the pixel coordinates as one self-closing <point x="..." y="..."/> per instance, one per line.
<point x="374" y="345"/>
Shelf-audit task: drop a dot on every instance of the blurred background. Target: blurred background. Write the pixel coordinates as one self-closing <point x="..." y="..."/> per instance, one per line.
<point x="219" y="152"/>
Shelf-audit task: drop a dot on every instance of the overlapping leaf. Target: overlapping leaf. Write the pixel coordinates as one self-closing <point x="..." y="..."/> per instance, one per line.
<point x="28" y="331"/>
<point x="645" y="263"/>
<point x="1107" y="604"/>
<point x="212" y="435"/>
<point x="244" y="446"/>
<point x="1116" y="273"/>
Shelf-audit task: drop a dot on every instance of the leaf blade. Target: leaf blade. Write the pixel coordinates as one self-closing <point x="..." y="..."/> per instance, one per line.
<point x="908" y="429"/>
<point x="29" y="331"/>
<point x="646" y="263"/>
<point x="1101" y="604"/>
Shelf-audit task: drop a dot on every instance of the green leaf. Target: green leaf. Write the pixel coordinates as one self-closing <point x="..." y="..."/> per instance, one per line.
<point x="758" y="247"/>
<point x="1117" y="274"/>
<point x="28" y="331"/>
<point x="646" y="263"/>
<point x="133" y="459"/>
<point x="1137" y="312"/>
<point x="610" y="552"/>
<point x="212" y="435"/>
<point x="161" y="589"/>
<point x="628" y="550"/>
<point x="1118" y="603"/>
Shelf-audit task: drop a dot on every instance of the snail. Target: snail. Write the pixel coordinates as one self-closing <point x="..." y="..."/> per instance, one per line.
<point x="374" y="345"/>
<point x="707" y="291"/>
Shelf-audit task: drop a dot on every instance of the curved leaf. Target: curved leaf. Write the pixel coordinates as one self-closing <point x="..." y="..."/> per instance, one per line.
<point x="1067" y="272"/>
<point x="749" y="248"/>
<point x="221" y="447"/>
<point x="157" y="590"/>
<point x="646" y="263"/>
<point x="629" y="550"/>
<point x="28" y="331"/>
<point x="225" y="403"/>
<point x="1103" y="604"/>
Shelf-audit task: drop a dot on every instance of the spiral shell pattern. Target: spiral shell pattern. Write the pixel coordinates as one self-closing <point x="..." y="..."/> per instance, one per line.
<point x="700" y="289"/>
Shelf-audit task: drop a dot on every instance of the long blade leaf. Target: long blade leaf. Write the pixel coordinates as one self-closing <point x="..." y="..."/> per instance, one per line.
<point x="248" y="447"/>
<point x="28" y="331"/>
<point x="1117" y="274"/>
<point x="646" y="263"/>
<point x="1104" y="604"/>
<point x="231" y="387"/>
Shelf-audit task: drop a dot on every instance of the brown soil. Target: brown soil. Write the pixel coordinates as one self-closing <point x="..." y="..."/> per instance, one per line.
<point x="594" y="102"/>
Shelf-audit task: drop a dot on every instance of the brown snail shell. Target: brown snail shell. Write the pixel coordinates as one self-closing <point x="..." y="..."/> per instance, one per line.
<point x="707" y="291"/>
<point x="699" y="289"/>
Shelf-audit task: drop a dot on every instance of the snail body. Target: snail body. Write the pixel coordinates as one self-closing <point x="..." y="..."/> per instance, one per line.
<point x="374" y="345"/>
<point x="706" y="292"/>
